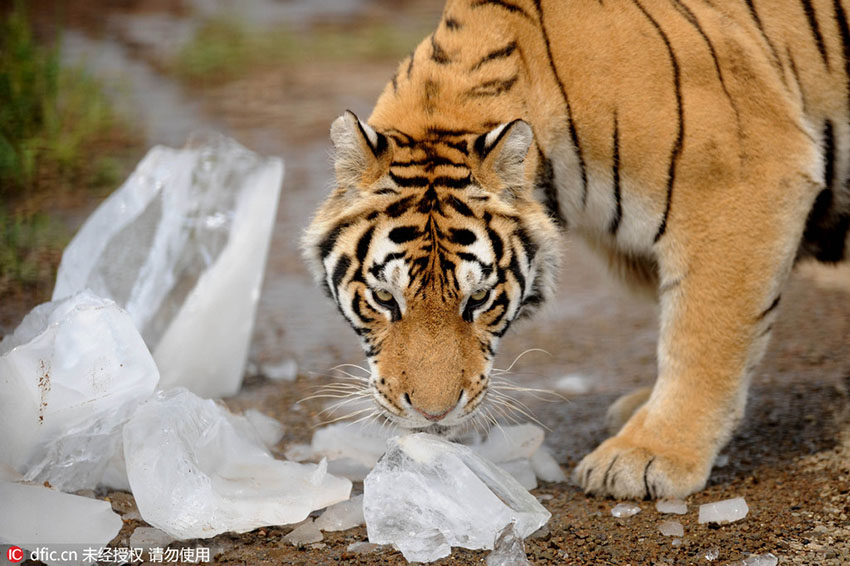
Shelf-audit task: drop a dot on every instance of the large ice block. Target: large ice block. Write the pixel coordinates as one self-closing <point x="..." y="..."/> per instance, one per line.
<point x="34" y="516"/>
<point x="70" y="376"/>
<point x="426" y="495"/>
<point x="182" y="247"/>
<point x="196" y="470"/>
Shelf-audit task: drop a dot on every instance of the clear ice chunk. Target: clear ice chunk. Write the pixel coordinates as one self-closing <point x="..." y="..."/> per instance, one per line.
<point x="522" y="471"/>
<point x="342" y="516"/>
<point x="149" y="537"/>
<point x="363" y="443"/>
<point x="452" y="497"/>
<point x="305" y="533"/>
<point x="269" y="429"/>
<point x="71" y="374"/>
<point x="726" y="511"/>
<point x="671" y="529"/>
<point x="675" y="506"/>
<point x="506" y="443"/>
<point x="35" y="516"/>
<point x="768" y="559"/>
<point x="287" y="370"/>
<point x="546" y="467"/>
<point x="363" y="547"/>
<point x="182" y="247"/>
<point x="623" y="510"/>
<point x="196" y="470"/>
<point x="509" y="550"/>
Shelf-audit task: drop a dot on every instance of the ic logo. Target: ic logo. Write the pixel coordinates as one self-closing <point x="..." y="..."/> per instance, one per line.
<point x="15" y="554"/>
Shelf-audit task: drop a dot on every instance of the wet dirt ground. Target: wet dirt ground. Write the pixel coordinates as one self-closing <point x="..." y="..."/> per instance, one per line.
<point x="790" y="459"/>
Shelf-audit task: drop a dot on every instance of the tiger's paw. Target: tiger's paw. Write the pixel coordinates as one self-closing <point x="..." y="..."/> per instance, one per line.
<point x="624" y="468"/>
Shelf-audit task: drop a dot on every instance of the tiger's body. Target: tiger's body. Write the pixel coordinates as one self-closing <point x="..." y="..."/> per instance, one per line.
<point x="700" y="146"/>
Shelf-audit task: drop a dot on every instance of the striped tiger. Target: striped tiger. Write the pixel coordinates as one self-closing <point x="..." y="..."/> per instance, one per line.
<point x="700" y="146"/>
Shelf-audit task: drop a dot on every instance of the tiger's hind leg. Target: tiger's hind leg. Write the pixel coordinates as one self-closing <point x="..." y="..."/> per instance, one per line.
<point x="722" y="269"/>
<point x="623" y="408"/>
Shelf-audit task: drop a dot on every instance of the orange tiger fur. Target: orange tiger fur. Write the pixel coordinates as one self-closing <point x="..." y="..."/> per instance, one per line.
<point x="701" y="146"/>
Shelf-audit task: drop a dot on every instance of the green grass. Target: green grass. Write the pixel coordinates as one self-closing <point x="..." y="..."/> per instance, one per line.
<point x="60" y="141"/>
<point x="224" y="48"/>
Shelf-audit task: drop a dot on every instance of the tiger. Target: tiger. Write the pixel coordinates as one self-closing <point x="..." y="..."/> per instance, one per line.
<point x="699" y="147"/>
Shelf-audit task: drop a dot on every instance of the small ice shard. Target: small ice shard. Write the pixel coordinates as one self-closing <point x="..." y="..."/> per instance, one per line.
<point x="362" y="547"/>
<point x="305" y="533"/>
<point x="196" y="470"/>
<point x="182" y="247"/>
<point x="671" y="528"/>
<point x="287" y="370"/>
<point x="509" y="549"/>
<point x="36" y="516"/>
<point x="71" y="374"/>
<point x="546" y="467"/>
<point x="149" y="537"/>
<point x="726" y="511"/>
<point x="452" y="497"/>
<point x="675" y="506"/>
<point x="269" y="429"/>
<point x="711" y="554"/>
<point x="506" y="443"/>
<point x="522" y="471"/>
<point x="363" y="443"/>
<point x="348" y="468"/>
<point x="622" y="510"/>
<point x="574" y="383"/>
<point x="342" y="516"/>
<point x="768" y="559"/>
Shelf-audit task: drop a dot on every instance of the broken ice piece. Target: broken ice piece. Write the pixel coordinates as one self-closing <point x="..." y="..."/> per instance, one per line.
<point x="522" y="471"/>
<point x="287" y="370"/>
<point x="450" y="496"/>
<point x="509" y="549"/>
<point x="711" y="554"/>
<point x="361" y="442"/>
<point x="71" y="374"/>
<point x="675" y="506"/>
<point x="574" y="383"/>
<point x="196" y="471"/>
<point x="546" y="467"/>
<point x="36" y="516"/>
<point x="348" y="468"/>
<point x="269" y="429"/>
<point x="622" y="510"/>
<point x="182" y="247"/>
<point x="506" y="443"/>
<point x="305" y="533"/>
<point x="342" y="516"/>
<point x="149" y="537"/>
<point x="671" y="528"/>
<point x="768" y="559"/>
<point x="726" y="511"/>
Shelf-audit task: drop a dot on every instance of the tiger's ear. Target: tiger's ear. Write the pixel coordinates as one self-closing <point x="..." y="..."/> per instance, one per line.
<point x="501" y="153"/>
<point x="361" y="154"/>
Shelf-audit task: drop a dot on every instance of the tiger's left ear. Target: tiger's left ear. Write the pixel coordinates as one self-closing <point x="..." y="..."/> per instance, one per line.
<point x="502" y="152"/>
<point x="361" y="154"/>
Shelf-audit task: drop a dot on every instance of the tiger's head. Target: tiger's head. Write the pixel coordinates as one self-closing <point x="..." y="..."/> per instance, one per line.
<point x="431" y="248"/>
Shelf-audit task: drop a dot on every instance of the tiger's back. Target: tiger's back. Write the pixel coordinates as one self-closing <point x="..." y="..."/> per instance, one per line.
<point x="701" y="147"/>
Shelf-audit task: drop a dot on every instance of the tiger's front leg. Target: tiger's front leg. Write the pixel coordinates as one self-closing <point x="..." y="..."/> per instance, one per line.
<point x="721" y="277"/>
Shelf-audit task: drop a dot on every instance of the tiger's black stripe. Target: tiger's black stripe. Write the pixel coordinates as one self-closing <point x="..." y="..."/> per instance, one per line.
<point x="438" y="54"/>
<point x="502" y="53"/>
<point x="615" y="173"/>
<point x="811" y="17"/>
<point x="459" y="206"/>
<point x="404" y="234"/>
<point x="545" y="183"/>
<point x="340" y="269"/>
<point x="513" y="8"/>
<point x="417" y="181"/>
<point x="769" y="309"/>
<point x="363" y="244"/>
<point x="327" y="244"/>
<point x="694" y="21"/>
<point x="754" y="14"/>
<point x="399" y="207"/>
<point x="452" y="182"/>
<point x="844" y="32"/>
<point x="680" y="136"/>
<point x="452" y="24"/>
<point x="570" y="123"/>
<point x="494" y="87"/>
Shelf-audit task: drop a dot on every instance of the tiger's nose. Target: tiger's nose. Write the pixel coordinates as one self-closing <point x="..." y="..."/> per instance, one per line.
<point x="430" y="414"/>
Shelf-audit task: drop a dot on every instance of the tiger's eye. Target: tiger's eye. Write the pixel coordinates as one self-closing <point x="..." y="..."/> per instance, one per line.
<point x="478" y="295"/>
<point x="383" y="295"/>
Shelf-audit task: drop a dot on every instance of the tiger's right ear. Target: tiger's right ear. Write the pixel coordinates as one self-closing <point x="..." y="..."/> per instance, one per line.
<point x="362" y="155"/>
